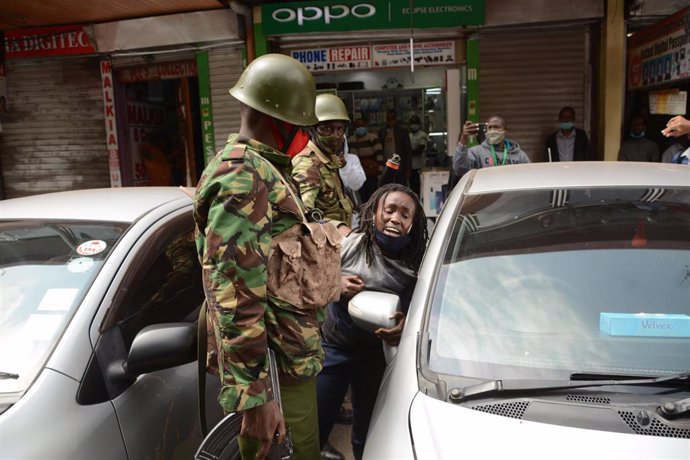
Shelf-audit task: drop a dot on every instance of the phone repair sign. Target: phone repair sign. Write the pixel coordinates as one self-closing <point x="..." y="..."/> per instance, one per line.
<point x="338" y="58"/>
<point x="376" y="56"/>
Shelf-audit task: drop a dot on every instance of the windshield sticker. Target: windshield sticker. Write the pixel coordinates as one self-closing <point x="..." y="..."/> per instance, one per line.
<point x="58" y="299"/>
<point x="91" y="248"/>
<point x="644" y="324"/>
<point x="80" y="265"/>
<point x="42" y="327"/>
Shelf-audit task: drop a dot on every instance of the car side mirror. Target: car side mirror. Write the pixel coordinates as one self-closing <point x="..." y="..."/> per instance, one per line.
<point x="156" y="347"/>
<point x="371" y="310"/>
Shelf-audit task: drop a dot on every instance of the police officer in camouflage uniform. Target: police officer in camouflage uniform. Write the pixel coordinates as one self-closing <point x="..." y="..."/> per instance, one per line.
<point x="240" y="205"/>
<point x="315" y="169"/>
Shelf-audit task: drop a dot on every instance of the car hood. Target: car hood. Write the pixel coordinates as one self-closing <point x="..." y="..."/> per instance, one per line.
<point x="443" y="430"/>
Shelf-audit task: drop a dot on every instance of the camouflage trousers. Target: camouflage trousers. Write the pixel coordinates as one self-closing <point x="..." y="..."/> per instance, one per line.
<point x="301" y="418"/>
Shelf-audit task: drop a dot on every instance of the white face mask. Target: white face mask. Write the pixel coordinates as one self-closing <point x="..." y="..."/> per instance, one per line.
<point x="495" y="137"/>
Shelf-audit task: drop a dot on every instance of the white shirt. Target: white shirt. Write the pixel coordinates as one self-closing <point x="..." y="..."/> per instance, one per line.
<point x="566" y="145"/>
<point x="416" y="139"/>
<point x="352" y="173"/>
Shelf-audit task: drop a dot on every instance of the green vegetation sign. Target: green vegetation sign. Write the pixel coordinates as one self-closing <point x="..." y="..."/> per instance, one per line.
<point x="346" y="15"/>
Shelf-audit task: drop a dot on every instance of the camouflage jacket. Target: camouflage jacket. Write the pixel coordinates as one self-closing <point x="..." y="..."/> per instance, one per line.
<point x="239" y="206"/>
<point x="320" y="184"/>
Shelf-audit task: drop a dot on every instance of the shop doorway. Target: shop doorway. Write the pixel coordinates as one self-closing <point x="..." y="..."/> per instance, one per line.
<point x="159" y="125"/>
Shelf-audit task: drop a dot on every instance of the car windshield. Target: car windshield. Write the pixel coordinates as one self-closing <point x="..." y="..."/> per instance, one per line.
<point x="541" y="284"/>
<point x="46" y="268"/>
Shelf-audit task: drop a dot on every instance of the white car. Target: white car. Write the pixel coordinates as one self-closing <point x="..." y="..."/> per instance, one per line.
<point x="99" y="294"/>
<point x="551" y="319"/>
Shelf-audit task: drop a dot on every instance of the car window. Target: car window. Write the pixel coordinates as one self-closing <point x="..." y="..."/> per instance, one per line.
<point x="46" y="269"/>
<point x="164" y="283"/>
<point x="541" y="284"/>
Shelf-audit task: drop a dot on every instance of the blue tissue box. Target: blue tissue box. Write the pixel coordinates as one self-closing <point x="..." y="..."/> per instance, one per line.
<point x="644" y="324"/>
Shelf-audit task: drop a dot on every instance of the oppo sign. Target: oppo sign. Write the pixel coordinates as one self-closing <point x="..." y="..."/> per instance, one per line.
<point x="301" y="15"/>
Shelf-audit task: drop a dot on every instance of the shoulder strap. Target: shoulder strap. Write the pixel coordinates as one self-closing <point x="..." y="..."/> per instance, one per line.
<point x="201" y="357"/>
<point x="298" y="202"/>
<point x="237" y="151"/>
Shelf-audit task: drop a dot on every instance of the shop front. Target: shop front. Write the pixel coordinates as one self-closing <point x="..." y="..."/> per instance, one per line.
<point x="165" y="94"/>
<point x="158" y="119"/>
<point x="128" y="103"/>
<point x="382" y="56"/>
<point x="658" y="79"/>
<point x="447" y="61"/>
<point x="52" y="123"/>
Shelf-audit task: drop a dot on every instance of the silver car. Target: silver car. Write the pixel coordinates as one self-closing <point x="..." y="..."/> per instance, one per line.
<point x="551" y="319"/>
<point x="99" y="292"/>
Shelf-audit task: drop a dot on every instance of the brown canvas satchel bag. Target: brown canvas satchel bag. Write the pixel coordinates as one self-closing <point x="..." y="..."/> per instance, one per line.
<point x="304" y="260"/>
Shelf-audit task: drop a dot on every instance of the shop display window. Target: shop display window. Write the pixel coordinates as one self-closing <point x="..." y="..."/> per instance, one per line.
<point x="427" y="103"/>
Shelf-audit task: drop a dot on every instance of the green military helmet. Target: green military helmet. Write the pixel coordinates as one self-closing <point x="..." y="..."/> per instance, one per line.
<point x="330" y="107"/>
<point x="279" y="86"/>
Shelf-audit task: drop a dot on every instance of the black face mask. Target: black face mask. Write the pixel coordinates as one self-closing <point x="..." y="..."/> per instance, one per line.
<point x="392" y="244"/>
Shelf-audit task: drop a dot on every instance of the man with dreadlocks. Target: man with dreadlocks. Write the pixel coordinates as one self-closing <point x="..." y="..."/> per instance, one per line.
<point x="382" y="254"/>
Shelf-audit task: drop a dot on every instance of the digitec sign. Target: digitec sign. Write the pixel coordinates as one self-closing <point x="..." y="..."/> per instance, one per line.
<point x="326" y="13"/>
<point x="48" y="41"/>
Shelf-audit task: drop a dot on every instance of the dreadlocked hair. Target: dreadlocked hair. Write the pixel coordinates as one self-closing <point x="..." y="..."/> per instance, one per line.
<point x="412" y="254"/>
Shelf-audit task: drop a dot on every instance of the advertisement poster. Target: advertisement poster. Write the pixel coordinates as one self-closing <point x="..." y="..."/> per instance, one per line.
<point x="146" y="133"/>
<point x="670" y="102"/>
<point x="159" y="71"/>
<point x="425" y="53"/>
<point x="112" y="146"/>
<point x="434" y="191"/>
<point x="660" y="54"/>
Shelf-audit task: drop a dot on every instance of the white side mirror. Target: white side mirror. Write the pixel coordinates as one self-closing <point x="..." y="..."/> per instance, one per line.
<point x="371" y="310"/>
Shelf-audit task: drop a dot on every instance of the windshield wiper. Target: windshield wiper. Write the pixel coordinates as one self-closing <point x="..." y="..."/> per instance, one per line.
<point x="8" y="375"/>
<point x="606" y="376"/>
<point x="676" y="409"/>
<point x="524" y="385"/>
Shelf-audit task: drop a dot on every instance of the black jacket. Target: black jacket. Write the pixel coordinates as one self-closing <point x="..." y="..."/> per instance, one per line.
<point x="581" y="152"/>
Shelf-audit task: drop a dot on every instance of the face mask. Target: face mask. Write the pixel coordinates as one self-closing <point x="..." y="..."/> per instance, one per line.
<point x="392" y="244"/>
<point x="361" y="130"/>
<point x="637" y="136"/>
<point x="331" y="144"/>
<point x="495" y="137"/>
<point x="566" y="125"/>
<point x="414" y="128"/>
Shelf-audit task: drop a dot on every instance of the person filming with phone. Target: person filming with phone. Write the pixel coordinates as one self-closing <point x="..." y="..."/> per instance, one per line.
<point x="495" y="150"/>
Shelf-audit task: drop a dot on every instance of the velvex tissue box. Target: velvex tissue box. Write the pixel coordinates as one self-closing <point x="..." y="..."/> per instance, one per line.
<point x="644" y="324"/>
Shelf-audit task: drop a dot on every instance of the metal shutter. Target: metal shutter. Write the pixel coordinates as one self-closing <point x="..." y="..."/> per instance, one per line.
<point x="225" y="66"/>
<point x="53" y="139"/>
<point x="528" y="76"/>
